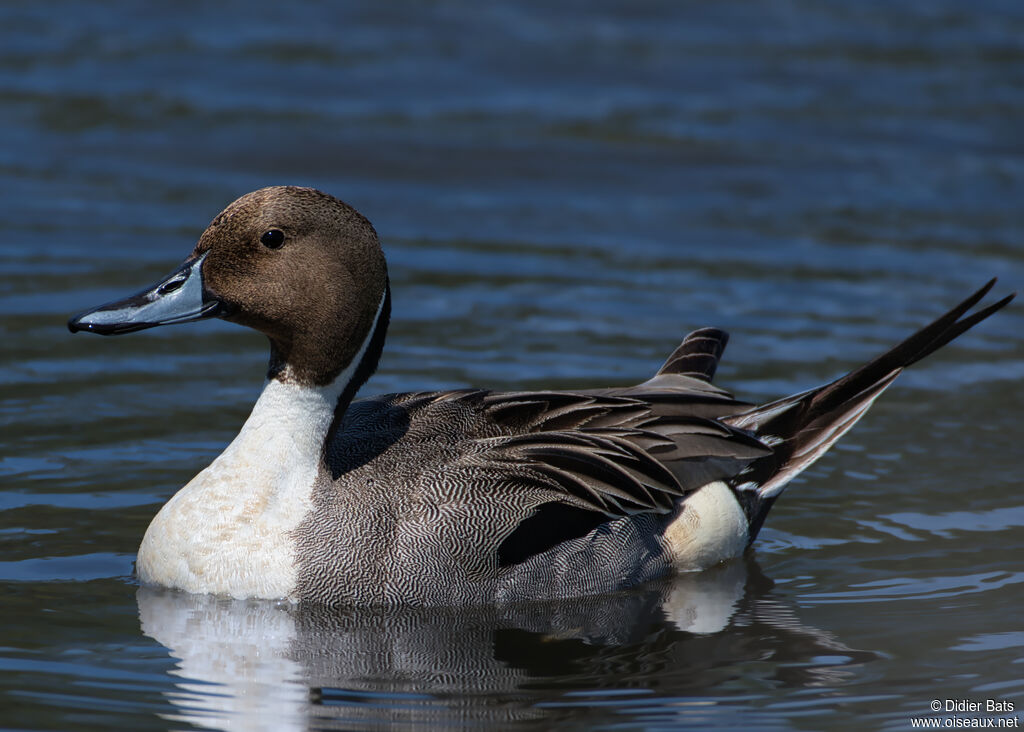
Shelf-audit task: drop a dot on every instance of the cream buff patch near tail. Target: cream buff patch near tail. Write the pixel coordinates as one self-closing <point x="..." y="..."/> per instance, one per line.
<point x="709" y="527"/>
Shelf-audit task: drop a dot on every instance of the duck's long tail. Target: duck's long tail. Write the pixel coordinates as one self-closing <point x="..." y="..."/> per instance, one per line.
<point x="802" y="427"/>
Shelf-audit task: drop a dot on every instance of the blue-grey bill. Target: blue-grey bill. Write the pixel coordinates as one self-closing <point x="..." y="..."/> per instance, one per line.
<point x="178" y="298"/>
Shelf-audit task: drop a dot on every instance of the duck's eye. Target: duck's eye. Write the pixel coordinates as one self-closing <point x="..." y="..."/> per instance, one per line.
<point x="272" y="239"/>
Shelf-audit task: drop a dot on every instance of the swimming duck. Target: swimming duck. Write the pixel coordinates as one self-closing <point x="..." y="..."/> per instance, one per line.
<point x="463" y="496"/>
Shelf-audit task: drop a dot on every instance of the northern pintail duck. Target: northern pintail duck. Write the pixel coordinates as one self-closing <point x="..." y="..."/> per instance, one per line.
<point x="461" y="496"/>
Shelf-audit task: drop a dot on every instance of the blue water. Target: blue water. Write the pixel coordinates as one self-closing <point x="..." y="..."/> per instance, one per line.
<point x="562" y="193"/>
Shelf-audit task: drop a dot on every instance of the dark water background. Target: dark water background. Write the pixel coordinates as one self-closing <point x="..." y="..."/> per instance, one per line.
<point x="563" y="190"/>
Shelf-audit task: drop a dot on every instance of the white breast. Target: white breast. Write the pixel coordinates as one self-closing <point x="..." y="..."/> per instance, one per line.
<point x="227" y="531"/>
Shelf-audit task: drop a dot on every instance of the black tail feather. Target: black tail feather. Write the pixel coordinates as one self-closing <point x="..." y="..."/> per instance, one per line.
<point x="800" y="428"/>
<point x="698" y="355"/>
<point x="921" y="344"/>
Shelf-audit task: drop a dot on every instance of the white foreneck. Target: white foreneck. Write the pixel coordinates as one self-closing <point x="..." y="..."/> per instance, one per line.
<point x="229" y="531"/>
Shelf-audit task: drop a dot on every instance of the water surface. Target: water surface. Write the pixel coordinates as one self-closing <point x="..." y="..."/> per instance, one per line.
<point x="562" y="193"/>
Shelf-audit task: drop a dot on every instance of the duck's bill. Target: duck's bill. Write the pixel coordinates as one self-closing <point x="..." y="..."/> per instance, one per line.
<point x="178" y="298"/>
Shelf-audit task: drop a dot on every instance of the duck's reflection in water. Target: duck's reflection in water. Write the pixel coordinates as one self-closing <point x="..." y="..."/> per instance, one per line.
<point x="251" y="665"/>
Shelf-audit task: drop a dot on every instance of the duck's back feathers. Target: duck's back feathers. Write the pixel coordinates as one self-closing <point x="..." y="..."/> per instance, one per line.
<point x="613" y="454"/>
<point x="511" y="474"/>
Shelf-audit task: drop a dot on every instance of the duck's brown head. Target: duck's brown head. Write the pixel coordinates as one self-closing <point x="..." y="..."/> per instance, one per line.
<point x="294" y="263"/>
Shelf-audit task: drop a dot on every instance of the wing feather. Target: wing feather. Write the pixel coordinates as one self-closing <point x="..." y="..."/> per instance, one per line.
<point x="611" y="454"/>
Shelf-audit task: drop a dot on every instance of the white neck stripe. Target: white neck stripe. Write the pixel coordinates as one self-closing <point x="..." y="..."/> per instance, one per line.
<point x="342" y="380"/>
